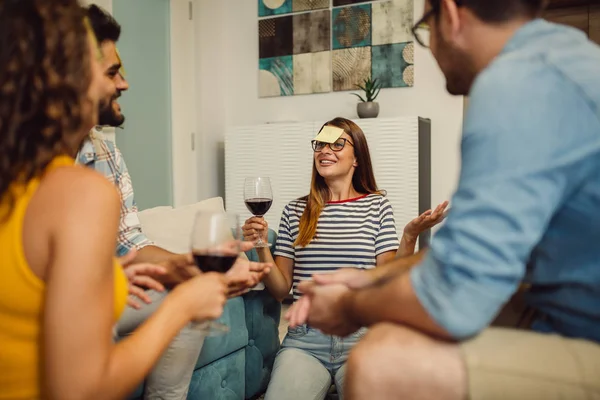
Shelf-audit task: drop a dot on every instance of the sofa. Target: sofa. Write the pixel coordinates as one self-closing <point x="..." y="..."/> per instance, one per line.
<point x="237" y="365"/>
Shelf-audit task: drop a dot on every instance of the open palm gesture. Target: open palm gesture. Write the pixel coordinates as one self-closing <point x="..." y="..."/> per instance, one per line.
<point x="425" y="221"/>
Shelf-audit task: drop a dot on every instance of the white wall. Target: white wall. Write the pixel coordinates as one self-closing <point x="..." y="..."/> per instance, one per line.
<point x="227" y="84"/>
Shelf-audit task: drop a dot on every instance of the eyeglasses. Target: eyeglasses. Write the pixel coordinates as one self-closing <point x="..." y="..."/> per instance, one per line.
<point x="421" y="29"/>
<point x="338" y="145"/>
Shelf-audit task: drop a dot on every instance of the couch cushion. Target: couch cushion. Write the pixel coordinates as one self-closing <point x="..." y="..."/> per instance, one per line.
<point x="220" y="380"/>
<point x="170" y="228"/>
<point x="216" y="347"/>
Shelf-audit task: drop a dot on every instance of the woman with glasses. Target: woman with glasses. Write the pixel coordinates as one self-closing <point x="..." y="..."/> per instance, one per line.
<point x="345" y="221"/>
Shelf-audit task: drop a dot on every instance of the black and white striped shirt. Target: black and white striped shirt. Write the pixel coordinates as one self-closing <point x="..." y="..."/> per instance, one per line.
<point x="350" y="233"/>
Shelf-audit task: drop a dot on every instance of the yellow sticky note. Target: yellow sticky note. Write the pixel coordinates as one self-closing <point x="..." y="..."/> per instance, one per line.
<point x="329" y="134"/>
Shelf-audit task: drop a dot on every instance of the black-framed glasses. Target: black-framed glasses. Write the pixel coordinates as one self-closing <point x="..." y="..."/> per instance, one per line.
<point x="336" y="146"/>
<point x="421" y="29"/>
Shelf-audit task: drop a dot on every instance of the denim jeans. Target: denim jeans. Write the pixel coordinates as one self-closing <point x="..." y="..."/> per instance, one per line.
<point x="170" y="378"/>
<point x="307" y="364"/>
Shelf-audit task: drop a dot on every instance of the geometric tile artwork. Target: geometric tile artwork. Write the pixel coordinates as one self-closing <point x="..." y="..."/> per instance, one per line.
<point x="275" y="37"/>
<point x="337" y="3"/>
<point x="351" y="26"/>
<point x="312" y="73"/>
<point x="350" y="67"/>
<point x="311" y="32"/>
<point x="268" y="8"/>
<point x="393" y="64"/>
<point x="392" y="22"/>
<point x="275" y="77"/>
<point x="274" y="7"/>
<point x="325" y="50"/>
<point x="294" y="54"/>
<point x="306" y="5"/>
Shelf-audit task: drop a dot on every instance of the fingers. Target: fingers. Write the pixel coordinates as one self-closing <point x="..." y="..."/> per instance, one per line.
<point x="260" y="267"/>
<point x="298" y="313"/>
<point x="133" y="304"/>
<point x="140" y="294"/>
<point x="246" y="246"/>
<point x="302" y="313"/>
<point x="148" y="282"/>
<point x="145" y="269"/>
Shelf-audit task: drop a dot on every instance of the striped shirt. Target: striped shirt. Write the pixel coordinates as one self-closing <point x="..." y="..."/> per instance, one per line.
<point x="350" y="233"/>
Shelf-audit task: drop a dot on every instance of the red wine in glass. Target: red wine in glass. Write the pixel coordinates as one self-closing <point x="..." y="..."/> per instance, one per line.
<point x="258" y="206"/>
<point x="207" y="262"/>
<point x="258" y="197"/>
<point x="215" y="245"/>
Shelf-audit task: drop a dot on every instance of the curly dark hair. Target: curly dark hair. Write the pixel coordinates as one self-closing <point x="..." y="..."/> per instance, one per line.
<point x="44" y="78"/>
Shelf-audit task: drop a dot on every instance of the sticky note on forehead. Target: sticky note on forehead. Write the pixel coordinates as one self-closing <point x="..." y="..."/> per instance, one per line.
<point x="329" y="134"/>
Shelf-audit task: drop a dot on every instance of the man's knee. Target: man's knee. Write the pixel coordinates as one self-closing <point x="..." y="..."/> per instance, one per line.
<point x="375" y="349"/>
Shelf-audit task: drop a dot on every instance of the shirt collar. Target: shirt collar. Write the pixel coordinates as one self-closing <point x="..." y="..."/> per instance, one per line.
<point x="87" y="154"/>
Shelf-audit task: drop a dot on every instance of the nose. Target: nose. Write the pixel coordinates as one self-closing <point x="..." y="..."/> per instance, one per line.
<point x="326" y="149"/>
<point x="121" y="83"/>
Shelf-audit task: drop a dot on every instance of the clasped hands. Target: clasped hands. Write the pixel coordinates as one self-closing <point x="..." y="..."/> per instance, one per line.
<point x="326" y="300"/>
<point x="243" y="276"/>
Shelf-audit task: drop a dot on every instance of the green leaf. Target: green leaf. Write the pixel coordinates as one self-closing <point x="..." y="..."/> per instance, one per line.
<point x="359" y="96"/>
<point x="376" y="94"/>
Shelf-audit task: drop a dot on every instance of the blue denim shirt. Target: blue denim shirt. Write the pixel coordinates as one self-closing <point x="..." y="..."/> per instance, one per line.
<point x="527" y="207"/>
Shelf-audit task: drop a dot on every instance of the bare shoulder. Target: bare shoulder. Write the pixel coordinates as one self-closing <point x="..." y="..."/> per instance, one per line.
<point x="69" y="189"/>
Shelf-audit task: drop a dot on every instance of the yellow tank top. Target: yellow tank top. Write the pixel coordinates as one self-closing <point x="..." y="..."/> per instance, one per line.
<point x="22" y="301"/>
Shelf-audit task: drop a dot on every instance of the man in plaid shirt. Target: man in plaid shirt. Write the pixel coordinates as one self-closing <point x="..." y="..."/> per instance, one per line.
<point x="171" y="376"/>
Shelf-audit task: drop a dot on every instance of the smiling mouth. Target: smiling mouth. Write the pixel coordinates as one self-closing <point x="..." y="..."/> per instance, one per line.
<point x="326" y="163"/>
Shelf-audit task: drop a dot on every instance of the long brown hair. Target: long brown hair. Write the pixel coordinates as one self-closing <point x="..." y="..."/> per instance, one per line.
<point x="363" y="181"/>
<point x="44" y="78"/>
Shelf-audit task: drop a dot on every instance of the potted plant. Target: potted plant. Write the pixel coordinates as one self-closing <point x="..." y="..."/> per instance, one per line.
<point x="368" y="108"/>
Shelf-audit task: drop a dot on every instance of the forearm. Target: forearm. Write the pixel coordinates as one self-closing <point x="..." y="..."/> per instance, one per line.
<point x="275" y="281"/>
<point x="392" y="299"/>
<point x="153" y="254"/>
<point x="396" y="266"/>
<point x="407" y="246"/>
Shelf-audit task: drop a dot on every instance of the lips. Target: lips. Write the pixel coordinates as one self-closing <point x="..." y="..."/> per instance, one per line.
<point x="327" y="163"/>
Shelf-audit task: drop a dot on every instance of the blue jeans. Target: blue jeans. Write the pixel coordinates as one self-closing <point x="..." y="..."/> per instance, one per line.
<point x="307" y="364"/>
<point x="170" y="378"/>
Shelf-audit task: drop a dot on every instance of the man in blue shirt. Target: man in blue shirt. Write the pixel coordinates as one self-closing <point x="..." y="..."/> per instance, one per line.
<point x="527" y="209"/>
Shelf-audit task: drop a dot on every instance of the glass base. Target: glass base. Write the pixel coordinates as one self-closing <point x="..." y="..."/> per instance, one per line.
<point x="262" y="245"/>
<point x="210" y="328"/>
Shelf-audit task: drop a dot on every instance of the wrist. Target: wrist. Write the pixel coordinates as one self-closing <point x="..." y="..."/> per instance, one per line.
<point x="409" y="237"/>
<point x="178" y="303"/>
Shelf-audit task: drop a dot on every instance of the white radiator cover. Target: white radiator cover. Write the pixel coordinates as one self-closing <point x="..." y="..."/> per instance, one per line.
<point x="400" y="153"/>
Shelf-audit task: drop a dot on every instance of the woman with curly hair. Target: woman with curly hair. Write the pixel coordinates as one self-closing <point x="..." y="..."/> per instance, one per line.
<point x="61" y="290"/>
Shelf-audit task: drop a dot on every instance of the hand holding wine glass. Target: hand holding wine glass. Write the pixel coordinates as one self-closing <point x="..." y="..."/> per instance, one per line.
<point x="258" y="197"/>
<point x="255" y="228"/>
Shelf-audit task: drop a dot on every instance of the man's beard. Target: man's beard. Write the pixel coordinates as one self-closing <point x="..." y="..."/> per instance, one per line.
<point x="107" y="116"/>
<point x="457" y="68"/>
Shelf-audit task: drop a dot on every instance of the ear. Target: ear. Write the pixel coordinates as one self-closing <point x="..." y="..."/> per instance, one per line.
<point x="355" y="164"/>
<point x="450" y="21"/>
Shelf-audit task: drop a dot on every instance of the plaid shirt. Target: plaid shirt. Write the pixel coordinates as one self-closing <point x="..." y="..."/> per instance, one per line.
<point x="104" y="157"/>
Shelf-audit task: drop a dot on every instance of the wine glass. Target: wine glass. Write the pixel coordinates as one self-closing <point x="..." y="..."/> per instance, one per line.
<point x="215" y="246"/>
<point x="258" y="197"/>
